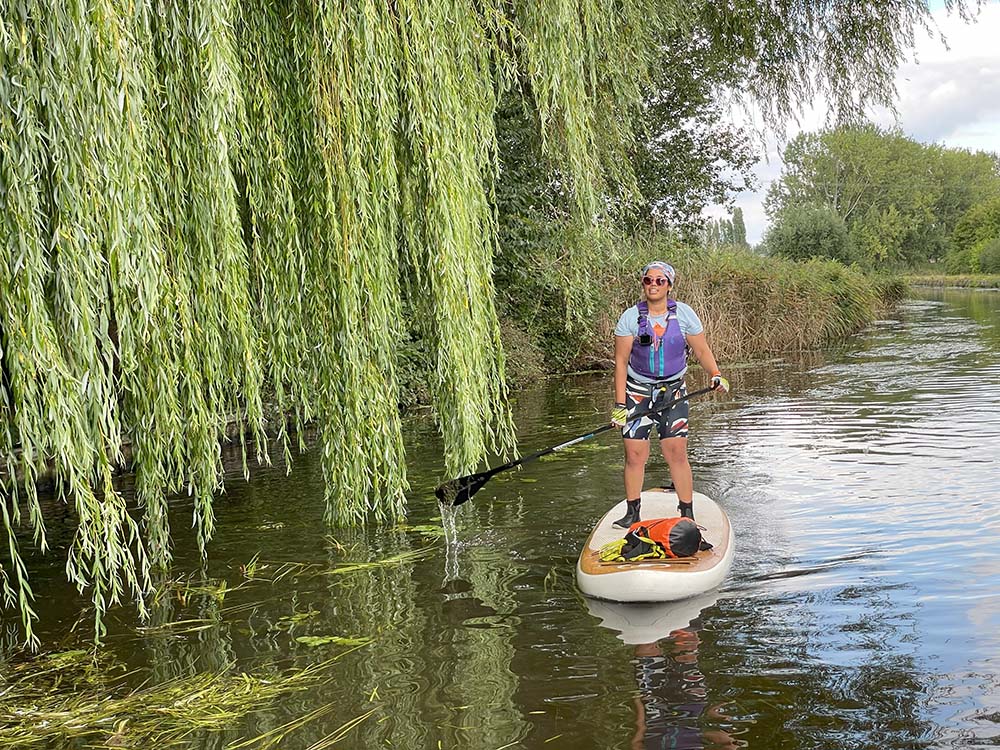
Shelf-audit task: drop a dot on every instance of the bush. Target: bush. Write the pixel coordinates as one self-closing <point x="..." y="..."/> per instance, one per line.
<point x="958" y="261"/>
<point x="989" y="256"/>
<point x="980" y="223"/>
<point x="806" y="232"/>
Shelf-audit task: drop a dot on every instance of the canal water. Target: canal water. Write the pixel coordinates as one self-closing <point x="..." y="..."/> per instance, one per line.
<point x="862" y="611"/>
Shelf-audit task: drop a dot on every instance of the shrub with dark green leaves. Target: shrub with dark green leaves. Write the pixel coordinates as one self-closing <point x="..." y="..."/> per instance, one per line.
<point x="980" y="223"/>
<point x="989" y="256"/>
<point x="805" y="232"/>
<point x="958" y="261"/>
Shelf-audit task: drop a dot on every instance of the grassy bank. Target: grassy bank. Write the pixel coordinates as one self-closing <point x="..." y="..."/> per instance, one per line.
<point x="969" y="281"/>
<point x="751" y="305"/>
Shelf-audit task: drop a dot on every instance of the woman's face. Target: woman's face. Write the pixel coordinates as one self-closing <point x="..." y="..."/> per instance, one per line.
<point x="655" y="284"/>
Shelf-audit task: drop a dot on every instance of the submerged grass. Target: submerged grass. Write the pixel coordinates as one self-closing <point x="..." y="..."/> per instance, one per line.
<point x="85" y="698"/>
<point x="275" y="572"/>
<point x="73" y="696"/>
<point x="274" y="737"/>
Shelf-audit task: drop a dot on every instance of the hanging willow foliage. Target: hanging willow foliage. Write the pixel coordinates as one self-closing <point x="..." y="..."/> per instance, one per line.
<point x="206" y="206"/>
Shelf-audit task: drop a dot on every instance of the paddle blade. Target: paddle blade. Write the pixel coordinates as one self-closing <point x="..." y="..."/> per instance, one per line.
<point x="457" y="491"/>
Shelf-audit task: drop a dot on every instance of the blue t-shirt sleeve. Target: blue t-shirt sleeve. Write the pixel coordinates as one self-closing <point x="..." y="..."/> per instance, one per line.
<point x="628" y="323"/>
<point x="688" y="318"/>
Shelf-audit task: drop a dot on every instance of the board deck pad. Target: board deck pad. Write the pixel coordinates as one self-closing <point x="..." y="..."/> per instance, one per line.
<point x="659" y="503"/>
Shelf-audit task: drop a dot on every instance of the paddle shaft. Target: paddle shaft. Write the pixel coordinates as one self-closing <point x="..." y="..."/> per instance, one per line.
<point x="589" y="435"/>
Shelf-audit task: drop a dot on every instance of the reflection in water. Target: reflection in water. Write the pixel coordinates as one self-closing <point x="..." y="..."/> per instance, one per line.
<point x="673" y="703"/>
<point x="483" y="678"/>
<point x="638" y="624"/>
<point x="673" y="708"/>
<point x="206" y="649"/>
<point x="384" y="604"/>
<point x="861" y="611"/>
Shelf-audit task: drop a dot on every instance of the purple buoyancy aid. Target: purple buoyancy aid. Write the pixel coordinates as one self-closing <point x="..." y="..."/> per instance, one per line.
<point x="665" y="355"/>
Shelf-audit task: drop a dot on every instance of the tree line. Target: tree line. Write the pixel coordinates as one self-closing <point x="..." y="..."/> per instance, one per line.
<point x="877" y="197"/>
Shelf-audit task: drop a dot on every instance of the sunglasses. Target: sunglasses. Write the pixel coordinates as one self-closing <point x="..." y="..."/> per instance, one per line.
<point x="659" y="280"/>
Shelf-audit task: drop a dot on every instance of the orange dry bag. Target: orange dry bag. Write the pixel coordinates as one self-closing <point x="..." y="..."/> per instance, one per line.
<point x="676" y="537"/>
<point x="656" y="539"/>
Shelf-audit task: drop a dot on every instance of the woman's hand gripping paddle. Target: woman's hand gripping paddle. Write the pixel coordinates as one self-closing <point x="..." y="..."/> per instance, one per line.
<point x="457" y="491"/>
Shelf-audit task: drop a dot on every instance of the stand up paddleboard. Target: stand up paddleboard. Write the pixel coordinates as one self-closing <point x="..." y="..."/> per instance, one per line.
<point x="657" y="580"/>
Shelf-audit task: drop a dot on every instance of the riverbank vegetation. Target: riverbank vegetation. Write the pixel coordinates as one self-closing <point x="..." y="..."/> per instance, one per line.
<point x="207" y="206"/>
<point x="968" y="281"/>
<point x="751" y="304"/>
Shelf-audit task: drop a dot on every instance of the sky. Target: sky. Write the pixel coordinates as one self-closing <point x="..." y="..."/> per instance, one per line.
<point x="946" y="94"/>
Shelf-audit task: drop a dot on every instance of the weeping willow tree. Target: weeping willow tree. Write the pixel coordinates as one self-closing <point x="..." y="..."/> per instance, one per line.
<point x="206" y="207"/>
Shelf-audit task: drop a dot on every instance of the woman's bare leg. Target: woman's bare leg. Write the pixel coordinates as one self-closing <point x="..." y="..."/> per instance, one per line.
<point x="675" y="453"/>
<point x="636" y="453"/>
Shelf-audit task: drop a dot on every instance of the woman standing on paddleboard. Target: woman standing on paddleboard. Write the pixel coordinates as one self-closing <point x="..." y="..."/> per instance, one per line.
<point x="651" y="343"/>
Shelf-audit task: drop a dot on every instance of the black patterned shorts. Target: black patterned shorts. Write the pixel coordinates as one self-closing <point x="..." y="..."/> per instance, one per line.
<point x="669" y="423"/>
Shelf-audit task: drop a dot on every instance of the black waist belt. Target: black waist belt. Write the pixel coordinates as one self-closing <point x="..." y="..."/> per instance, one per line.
<point x="677" y="382"/>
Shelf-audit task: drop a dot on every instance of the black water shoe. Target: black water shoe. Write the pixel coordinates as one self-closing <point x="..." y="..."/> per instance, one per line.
<point x="631" y="515"/>
<point x="686" y="510"/>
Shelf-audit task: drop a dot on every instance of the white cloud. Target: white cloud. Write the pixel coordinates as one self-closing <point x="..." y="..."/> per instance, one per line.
<point x="948" y="94"/>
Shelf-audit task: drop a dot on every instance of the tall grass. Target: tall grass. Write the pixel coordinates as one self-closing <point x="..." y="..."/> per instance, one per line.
<point x="973" y="281"/>
<point x="753" y="305"/>
<point x="750" y="305"/>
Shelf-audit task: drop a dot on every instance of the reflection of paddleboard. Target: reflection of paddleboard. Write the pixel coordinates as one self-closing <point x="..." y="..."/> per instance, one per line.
<point x="648" y="623"/>
<point x="657" y="580"/>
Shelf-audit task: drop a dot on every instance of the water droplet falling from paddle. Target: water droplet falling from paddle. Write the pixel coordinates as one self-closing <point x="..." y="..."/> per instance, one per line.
<point x="451" y="545"/>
